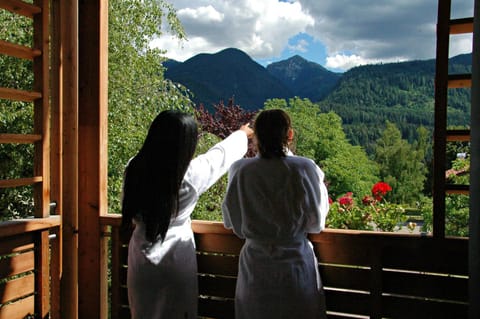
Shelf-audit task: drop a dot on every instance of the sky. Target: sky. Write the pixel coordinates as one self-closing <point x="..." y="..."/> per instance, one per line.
<point x="337" y="34"/>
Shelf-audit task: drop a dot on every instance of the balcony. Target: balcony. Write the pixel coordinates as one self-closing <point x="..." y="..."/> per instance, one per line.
<point x="74" y="265"/>
<point x="365" y="274"/>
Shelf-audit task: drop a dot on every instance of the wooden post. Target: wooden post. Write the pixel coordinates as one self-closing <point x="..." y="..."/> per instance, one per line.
<point x="56" y="162"/>
<point x="440" y="129"/>
<point x="93" y="157"/>
<point x="474" y="229"/>
<point x="69" y="281"/>
<point x="41" y="71"/>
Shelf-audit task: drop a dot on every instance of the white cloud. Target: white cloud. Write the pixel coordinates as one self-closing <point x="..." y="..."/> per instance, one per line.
<point x="460" y="44"/>
<point x="203" y="15"/>
<point x="354" y="32"/>
<point x="343" y="62"/>
<point x="380" y="30"/>
<point x="259" y="28"/>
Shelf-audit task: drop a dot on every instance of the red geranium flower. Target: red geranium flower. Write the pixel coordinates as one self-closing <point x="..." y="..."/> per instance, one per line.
<point x="380" y="189"/>
<point x="346" y="200"/>
<point x="367" y="200"/>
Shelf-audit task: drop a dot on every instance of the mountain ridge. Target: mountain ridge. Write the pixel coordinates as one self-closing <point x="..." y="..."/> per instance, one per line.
<point x="215" y="77"/>
<point x="226" y="74"/>
<point x="365" y="97"/>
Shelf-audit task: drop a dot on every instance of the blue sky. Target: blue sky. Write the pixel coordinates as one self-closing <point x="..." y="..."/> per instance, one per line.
<point x="337" y="34"/>
<point x="301" y="44"/>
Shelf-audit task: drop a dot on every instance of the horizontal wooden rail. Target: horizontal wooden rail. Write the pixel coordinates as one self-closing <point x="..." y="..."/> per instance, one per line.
<point x="21" y="226"/>
<point x="25" y="258"/>
<point x="114" y="220"/>
<point x="365" y="274"/>
<point x="19" y="95"/>
<point x="18" y="51"/>
<point x="20" y="7"/>
<point x="459" y="26"/>
<point x="457" y="81"/>
<point x="457" y="189"/>
<point x="20" y="138"/>
<point x="458" y="135"/>
<point x="17" y="182"/>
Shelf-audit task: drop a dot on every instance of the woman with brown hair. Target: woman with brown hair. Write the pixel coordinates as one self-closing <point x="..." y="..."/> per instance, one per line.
<point x="273" y="201"/>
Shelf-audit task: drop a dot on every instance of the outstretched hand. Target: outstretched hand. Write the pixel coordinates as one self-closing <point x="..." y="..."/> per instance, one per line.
<point x="247" y="129"/>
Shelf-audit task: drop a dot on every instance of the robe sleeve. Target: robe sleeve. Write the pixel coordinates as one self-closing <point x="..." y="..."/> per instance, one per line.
<point x="231" y="206"/>
<point x="207" y="168"/>
<point x="316" y="220"/>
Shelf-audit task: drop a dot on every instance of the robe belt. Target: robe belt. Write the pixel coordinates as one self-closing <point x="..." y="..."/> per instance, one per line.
<point x="292" y="241"/>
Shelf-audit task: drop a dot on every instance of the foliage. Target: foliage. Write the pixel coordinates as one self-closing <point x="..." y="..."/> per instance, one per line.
<point x="320" y="137"/>
<point x="365" y="99"/>
<point x="345" y="213"/>
<point x="16" y="160"/>
<point x="209" y="204"/>
<point x="457" y="207"/>
<point x="374" y="212"/>
<point x="137" y="89"/>
<point x="224" y="120"/>
<point x="401" y="164"/>
<point x="214" y="128"/>
<point x="456" y="215"/>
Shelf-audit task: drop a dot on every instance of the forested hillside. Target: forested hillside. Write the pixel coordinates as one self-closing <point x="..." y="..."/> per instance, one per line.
<point x="402" y="93"/>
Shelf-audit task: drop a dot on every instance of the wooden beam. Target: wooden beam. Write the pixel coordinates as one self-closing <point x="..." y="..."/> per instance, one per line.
<point x="18" y="51"/>
<point x="16" y="182"/>
<point x="69" y="58"/>
<point x="41" y="83"/>
<point x="56" y="152"/>
<point x="456" y="81"/>
<point x="20" y="7"/>
<point x="21" y="226"/>
<point x="439" y="140"/>
<point x="474" y="223"/>
<point x="20" y="138"/>
<point x="93" y="157"/>
<point x="41" y="72"/>
<point x="19" y="95"/>
<point x="459" y="26"/>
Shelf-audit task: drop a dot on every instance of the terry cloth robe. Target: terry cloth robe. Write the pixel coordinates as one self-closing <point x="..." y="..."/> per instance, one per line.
<point x="274" y="204"/>
<point x="162" y="276"/>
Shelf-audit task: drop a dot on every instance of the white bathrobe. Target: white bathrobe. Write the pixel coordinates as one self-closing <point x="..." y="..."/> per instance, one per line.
<point x="274" y="204"/>
<point x="162" y="276"/>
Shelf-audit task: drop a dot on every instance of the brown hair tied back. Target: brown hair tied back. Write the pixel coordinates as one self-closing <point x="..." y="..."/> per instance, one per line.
<point x="271" y="131"/>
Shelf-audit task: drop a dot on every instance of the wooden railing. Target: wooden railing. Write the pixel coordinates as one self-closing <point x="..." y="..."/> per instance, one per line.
<point x="365" y="274"/>
<point x="29" y="267"/>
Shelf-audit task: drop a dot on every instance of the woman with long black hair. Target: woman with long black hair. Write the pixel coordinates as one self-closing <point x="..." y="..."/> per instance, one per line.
<point x="162" y="185"/>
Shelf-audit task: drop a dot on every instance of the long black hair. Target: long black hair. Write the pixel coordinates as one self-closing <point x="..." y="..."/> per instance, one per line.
<point x="153" y="177"/>
<point x="271" y="131"/>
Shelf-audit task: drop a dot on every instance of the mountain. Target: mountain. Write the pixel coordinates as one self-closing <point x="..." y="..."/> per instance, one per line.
<point x="365" y="97"/>
<point x="226" y="74"/>
<point x="306" y="79"/>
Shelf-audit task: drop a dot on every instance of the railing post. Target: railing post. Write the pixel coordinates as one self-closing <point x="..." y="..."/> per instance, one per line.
<point x="474" y="229"/>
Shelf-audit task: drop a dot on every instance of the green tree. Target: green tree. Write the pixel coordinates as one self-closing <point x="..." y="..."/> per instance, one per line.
<point x="209" y="206"/>
<point x="401" y="164"/>
<point x="137" y="88"/>
<point x="16" y="160"/>
<point x="320" y="136"/>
